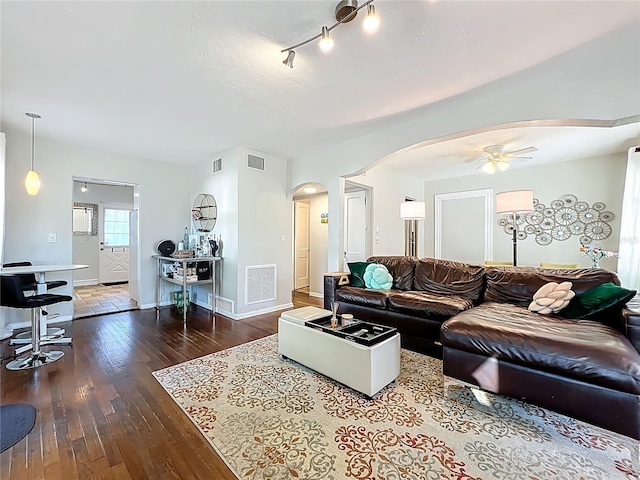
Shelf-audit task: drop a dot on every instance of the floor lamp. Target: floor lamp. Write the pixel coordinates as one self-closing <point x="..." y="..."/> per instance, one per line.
<point x="412" y="211"/>
<point x="514" y="202"/>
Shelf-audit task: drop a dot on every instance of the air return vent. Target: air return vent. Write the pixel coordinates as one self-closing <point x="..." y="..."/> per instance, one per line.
<point x="254" y="162"/>
<point x="217" y="165"/>
<point x="260" y="283"/>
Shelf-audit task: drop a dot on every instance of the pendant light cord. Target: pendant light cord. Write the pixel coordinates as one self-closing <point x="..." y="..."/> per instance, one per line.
<point x="33" y="142"/>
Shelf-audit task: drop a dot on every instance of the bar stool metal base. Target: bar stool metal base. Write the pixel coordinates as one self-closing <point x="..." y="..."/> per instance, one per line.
<point x="25" y="337"/>
<point x="35" y="360"/>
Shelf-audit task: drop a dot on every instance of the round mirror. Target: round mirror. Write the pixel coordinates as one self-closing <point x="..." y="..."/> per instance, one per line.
<point x="204" y="212"/>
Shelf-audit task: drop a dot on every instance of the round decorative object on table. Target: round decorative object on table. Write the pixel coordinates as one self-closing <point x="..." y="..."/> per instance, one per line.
<point x="599" y="206"/>
<point x="585" y="240"/>
<point x="16" y="421"/>
<point x="502" y="222"/>
<point x="166" y="248"/>
<point x="540" y="207"/>
<point x="529" y="229"/>
<point x="535" y="202"/>
<point x="521" y="235"/>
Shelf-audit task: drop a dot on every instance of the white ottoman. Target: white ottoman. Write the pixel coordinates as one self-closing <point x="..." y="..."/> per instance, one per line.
<point x="366" y="369"/>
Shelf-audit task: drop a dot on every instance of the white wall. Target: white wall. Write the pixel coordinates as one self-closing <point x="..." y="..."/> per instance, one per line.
<point x="318" y="242"/>
<point x="253" y="214"/>
<point x="599" y="179"/>
<point x="389" y="189"/>
<point x="264" y="218"/>
<point x="224" y="188"/>
<point x="609" y="91"/>
<point x="164" y="206"/>
<point x="85" y="247"/>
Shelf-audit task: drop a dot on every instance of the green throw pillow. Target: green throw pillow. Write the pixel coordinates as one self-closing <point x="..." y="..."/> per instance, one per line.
<point x="357" y="273"/>
<point x="597" y="299"/>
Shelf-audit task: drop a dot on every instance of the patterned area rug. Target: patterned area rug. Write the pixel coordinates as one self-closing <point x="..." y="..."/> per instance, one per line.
<point x="273" y="418"/>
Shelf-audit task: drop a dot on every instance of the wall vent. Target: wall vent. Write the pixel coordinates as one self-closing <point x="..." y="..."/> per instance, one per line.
<point x="223" y="305"/>
<point x="255" y="163"/>
<point x="217" y="165"/>
<point x="260" y="284"/>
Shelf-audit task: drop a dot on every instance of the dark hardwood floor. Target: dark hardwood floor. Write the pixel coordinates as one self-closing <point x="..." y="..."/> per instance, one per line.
<point x="100" y="412"/>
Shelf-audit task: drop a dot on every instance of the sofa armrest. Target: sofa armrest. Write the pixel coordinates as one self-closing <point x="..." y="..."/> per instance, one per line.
<point x="331" y="284"/>
<point x="631" y="316"/>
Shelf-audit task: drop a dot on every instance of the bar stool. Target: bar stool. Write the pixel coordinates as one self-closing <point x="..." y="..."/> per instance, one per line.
<point x="28" y="280"/>
<point x="29" y="283"/>
<point x="13" y="296"/>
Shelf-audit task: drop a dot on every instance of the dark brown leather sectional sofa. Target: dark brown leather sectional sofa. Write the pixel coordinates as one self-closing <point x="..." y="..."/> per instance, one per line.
<point x="587" y="369"/>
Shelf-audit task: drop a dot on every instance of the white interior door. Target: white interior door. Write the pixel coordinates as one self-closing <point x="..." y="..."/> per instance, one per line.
<point x="301" y="244"/>
<point x="115" y="240"/>
<point x="355" y="226"/>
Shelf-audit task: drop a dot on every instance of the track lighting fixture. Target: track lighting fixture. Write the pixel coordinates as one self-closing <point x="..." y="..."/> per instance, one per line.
<point x="289" y="60"/>
<point x="84" y="188"/>
<point x="326" y="42"/>
<point x="345" y="11"/>
<point x="372" y="20"/>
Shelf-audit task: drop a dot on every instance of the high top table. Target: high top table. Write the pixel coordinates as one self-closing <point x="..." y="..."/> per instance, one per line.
<point x="47" y="334"/>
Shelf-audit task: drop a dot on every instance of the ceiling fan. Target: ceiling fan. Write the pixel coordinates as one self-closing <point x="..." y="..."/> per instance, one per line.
<point x="498" y="160"/>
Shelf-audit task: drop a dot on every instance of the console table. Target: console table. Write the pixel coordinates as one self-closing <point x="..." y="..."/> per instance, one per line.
<point x="160" y="259"/>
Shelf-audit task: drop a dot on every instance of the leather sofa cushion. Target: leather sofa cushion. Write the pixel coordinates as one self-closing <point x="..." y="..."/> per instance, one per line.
<point x="363" y="296"/>
<point x="401" y="269"/>
<point x="582" y="349"/>
<point x="445" y="277"/>
<point x="428" y="305"/>
<point x="518" y="284"/>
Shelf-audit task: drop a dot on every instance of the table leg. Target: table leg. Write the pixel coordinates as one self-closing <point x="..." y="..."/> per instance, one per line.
<point x="184" y="293"/>
<point x="213" y="287"/>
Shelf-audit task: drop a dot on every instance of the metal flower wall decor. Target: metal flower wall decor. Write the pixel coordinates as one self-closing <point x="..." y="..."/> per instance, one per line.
<point x="563" y="218"/>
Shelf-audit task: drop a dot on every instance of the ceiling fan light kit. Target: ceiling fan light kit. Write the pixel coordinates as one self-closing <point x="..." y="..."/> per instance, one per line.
<point x="498" y="160"/>
<point x="345" y="11"/>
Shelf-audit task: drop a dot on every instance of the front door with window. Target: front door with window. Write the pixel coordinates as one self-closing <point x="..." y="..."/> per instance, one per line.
<point x="114" y="243"/>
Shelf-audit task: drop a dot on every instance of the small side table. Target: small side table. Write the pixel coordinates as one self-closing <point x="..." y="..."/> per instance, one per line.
<point x="344" y="277"/>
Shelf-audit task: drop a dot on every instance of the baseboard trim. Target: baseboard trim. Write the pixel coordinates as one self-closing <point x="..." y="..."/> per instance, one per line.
<point x="85" y="283"/>
<point x="232" y="316"/>
<point x="316" y="294"/>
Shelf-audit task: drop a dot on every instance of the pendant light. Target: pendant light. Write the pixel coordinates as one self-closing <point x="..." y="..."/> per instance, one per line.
<point x="32" y="181"/>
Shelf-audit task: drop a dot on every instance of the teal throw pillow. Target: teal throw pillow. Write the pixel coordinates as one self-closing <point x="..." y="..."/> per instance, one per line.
<point x="377" y="276"/>
<point x="596" y="300"/>
<point x="357" y="273"/>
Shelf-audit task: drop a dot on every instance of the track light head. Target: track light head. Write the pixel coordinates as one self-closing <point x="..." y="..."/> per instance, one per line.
<point x="372" y="20"/>
<point x="289" y="60"/>
<point x="326" y="42"/>
<point x="84" y="188"/>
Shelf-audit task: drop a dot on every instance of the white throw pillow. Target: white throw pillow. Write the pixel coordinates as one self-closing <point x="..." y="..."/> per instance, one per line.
<point x="552" y="297"/>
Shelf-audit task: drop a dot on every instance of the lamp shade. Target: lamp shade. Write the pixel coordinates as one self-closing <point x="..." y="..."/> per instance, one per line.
<point x="514" y="201"/>
<point x="32" y="182"/>
<point x="412" y="210"/>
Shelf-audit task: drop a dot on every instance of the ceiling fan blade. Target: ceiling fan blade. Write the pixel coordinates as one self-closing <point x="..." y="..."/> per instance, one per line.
<point x="519" y="159"/>
<point x="521" y="151"/>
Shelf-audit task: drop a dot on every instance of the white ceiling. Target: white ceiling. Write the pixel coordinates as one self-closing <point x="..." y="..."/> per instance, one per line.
<point x="181" y="81"/>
